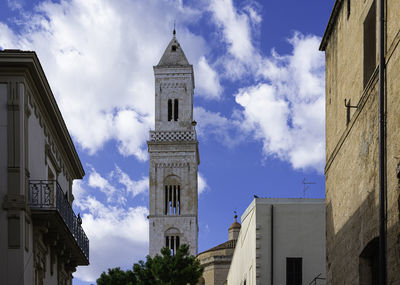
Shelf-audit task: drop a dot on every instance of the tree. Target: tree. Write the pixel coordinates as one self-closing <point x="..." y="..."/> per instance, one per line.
<point x="116" y="276"/>
<point x="165" y="269"/>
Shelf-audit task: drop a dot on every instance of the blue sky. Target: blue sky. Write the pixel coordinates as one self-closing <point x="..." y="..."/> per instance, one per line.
<point x="259" y="104"/>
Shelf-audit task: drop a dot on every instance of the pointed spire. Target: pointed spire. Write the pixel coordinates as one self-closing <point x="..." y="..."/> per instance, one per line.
<point x="173" y="54"/>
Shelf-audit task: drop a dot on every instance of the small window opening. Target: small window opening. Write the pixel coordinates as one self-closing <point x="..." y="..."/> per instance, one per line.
<point x="172" y="200"/>
<point x="294" y="271"/>
<point x="173" y="48"/>
<point x="169" y="109"/>
<point x="369" y="44"/>
<point x="176" y="110"/>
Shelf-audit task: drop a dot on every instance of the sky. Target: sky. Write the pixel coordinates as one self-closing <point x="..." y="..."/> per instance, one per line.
<point x="259" y="105"/>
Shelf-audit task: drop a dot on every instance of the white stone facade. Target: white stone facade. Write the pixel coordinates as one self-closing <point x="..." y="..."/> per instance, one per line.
<point x="274" y="232"/>
<point x="174" y="156"/>
<point x="41" y="239"/>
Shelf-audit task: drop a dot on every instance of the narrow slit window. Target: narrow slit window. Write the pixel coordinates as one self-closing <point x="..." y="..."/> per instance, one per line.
<point x="177" y="242"/>
<point x="170" y="200"/>
<point x="179" y="199"/>
<point x="169" y="109"/>
<point x="175" y="211"/>
<point x="369" y="44"/>
<point x="173" y="244"/>
<point x="167" y="241"/>
<point x="176" y="109"/>
<point x="166" y="200"/>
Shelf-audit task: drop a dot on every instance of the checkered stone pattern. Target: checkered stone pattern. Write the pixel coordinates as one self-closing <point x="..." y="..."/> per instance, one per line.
<point x="172" y="136"/>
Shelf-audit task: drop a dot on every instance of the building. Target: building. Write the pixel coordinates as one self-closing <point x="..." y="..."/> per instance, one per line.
<point x="217" y="260"/>
<point x="281" y="241"/>
<point x="174" y="155"/>
<point x="41" y="239"/>
<point x="351" y="44"/>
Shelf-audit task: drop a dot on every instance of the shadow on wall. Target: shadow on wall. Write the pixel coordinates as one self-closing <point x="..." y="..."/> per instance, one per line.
<point x="352" y="253"/>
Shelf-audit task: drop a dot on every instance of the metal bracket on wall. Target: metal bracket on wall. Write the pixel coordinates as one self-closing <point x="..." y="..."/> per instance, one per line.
<point x="348" y="107"/>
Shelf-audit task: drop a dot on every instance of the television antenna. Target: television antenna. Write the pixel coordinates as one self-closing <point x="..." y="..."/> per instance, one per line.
<point x="306" y="186"/>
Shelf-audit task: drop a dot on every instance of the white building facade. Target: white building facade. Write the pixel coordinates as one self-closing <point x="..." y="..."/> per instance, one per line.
<point x="281" y="241"/>
<point x="41" y="238"/>
<point x="174" y="155"/>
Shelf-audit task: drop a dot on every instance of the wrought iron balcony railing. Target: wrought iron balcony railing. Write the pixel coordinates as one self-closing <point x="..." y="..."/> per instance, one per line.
<point x="47" y="195"/>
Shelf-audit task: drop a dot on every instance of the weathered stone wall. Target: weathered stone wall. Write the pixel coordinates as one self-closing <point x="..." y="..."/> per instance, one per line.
<point x="352" y="162"/>
<point x="173" y="150"/>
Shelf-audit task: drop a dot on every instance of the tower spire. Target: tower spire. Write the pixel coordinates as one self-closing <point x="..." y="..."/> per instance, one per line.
<point x="174" y="32"/>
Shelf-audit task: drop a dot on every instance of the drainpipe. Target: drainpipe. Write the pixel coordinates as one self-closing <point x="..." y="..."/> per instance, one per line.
<point x="272" y="244"/>
<point x="382" y="148"/>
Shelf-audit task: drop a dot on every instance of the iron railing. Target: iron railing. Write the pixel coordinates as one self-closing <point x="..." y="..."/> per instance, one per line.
<point x="48" y="195"/>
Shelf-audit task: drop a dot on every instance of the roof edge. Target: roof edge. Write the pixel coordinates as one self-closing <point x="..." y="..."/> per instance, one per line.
<point x="30" y="61"/>
<point x="331" y="24"/>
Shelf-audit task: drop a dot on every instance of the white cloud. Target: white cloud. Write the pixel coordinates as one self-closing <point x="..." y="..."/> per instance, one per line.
<point x="118" y="233"/>
<point x="118" y="237"/>
<point x="215" y="125"/>
<point x="132" y="187"/>
<point x="202" y="183"/>
<point x="98" y="57"/>
<point x="286" y="109"/>
<point x="235" y="28"/>
<point x="208" y="81"/>
<point x="118" y="185"/>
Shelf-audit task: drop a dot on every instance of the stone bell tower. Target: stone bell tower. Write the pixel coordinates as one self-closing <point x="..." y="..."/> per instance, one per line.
<point x="174" y="155"/>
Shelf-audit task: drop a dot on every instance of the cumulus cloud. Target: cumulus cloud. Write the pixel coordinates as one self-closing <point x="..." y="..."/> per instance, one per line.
<point x="201" y="183"/>
<point x="237" y="28"/>
<point x="98" y="57"/>
<point x="118" y="237"/>
<point x="111" y="226"/>
<point x="117" y="185"/>
<point x="286" y="109"/>
<point x="207" y="80"/>
<point x="217" y="126"/>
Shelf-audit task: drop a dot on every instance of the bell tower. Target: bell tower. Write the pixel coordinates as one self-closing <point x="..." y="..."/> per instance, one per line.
<point x="174" y="155"/>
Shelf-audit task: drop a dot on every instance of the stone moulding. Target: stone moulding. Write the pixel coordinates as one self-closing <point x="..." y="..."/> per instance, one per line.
<point x="172" y="136"/>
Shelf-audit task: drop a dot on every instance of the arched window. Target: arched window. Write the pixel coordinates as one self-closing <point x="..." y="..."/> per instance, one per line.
<point x="172" y="239"/>
<point x="176" y="110"/>
<point x="169" y="109"/>
<point x="172" y="196"/>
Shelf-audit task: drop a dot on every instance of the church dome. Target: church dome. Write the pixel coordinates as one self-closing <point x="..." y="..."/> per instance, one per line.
<point x="235" y="225"/>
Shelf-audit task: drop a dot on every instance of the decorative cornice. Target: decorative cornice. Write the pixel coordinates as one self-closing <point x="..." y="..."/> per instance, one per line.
<point x="27" y="63"/>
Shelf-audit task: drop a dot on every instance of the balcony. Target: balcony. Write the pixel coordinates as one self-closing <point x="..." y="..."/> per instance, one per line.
<point x="51" y="208"/>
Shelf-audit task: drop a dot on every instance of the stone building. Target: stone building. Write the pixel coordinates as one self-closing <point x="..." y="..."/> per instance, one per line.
<point x="41" y="239"/>
<point x="174" y="155"/>
<point x="351" y="45"/>
<point x="281" y="241"/>
<point x="217" y="260"/>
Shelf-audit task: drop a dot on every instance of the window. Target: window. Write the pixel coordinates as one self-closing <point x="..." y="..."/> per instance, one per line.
<point x="169" y="109"/>
<point x="176" y="110"/>
<point x="369" y="44"/>
<point x="369" y="263"/>
<point x="294" y="270"/>
<point x="173" y="48"/>
<point x="172" y="239"/>
<point x="172" y="200"/>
